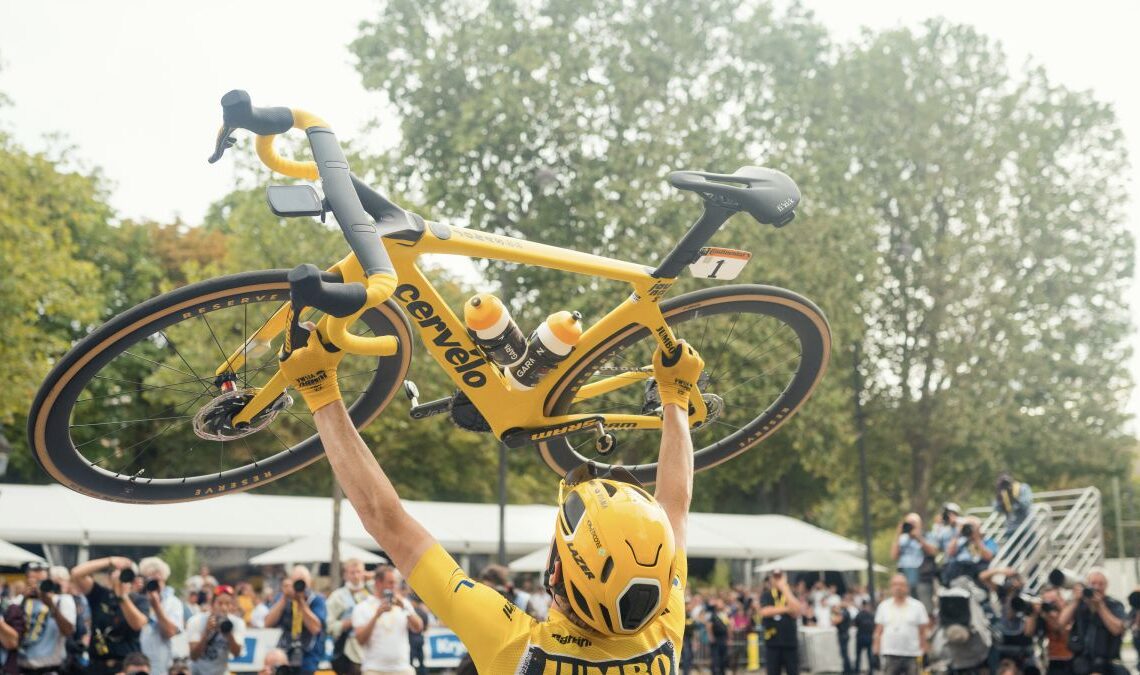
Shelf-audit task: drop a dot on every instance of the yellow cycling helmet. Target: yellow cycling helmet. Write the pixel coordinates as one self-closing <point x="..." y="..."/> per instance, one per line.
<point x="617" y="550"/>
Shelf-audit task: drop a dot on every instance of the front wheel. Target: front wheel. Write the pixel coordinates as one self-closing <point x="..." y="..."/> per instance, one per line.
<point x="133" y="413"/>
<point x="765" y="350"/>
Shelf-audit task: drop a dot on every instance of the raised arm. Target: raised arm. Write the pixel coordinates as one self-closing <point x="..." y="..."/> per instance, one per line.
<point x="675" y="377"/>
<point x="312" y="370"/>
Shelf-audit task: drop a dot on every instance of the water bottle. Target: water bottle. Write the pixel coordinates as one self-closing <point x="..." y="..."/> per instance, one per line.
<point x="547" y="346"/>
<point x="493" y="330"/>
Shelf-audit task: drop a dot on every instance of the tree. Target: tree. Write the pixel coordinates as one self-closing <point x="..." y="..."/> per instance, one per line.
<point x="995" y="317"/>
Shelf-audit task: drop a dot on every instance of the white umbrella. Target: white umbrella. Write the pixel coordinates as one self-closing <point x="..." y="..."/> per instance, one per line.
<point x="316" y="549"/>
<point x="12" y="555"/>
<point x="819" y="561"/>
<point x="531" y="562"/>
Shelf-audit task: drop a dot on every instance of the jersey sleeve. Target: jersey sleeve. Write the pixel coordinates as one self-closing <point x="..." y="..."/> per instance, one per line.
<point x="674" y="616"/>
<point x="482" y="618"/>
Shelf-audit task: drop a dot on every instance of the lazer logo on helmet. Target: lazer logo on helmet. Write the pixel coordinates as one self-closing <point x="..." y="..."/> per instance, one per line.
<point x="580" y="561"/>
<point x="465" y="360"/>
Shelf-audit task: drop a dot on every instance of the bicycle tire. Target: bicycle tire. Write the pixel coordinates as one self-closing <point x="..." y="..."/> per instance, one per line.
<point x="48" y="421"/>
<point x="791" y="309"/>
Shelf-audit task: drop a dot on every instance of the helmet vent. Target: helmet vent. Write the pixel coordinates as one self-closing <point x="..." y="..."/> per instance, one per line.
<point x="607" y="569"/>
<point x="653" y="563"/>
<point x="612" y="490"/>
<point x="606" y="618"/>
<point x="637" y="605"/>
<point x="572" y="511"/>
<point x="583" y="606"/>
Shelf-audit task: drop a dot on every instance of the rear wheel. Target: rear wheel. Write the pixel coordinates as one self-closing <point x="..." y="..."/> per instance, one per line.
<point x="133" y="413"/>
<point x="765" y="349"/>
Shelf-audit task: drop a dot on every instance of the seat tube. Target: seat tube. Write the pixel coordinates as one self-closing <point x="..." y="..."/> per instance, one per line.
<point x="687" y="250"/>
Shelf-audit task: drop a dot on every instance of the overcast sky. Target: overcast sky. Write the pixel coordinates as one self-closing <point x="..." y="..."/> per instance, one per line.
<point x="134" y="86"/>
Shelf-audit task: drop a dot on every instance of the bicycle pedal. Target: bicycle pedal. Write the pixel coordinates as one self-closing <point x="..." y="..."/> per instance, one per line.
<point x="437" y="407"/>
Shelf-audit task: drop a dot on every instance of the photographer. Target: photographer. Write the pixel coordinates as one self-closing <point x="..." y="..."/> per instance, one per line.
<point x="300" y="614"/>
<point x="216" y="636"/>
<point x="968" y="552"/>
<point x="382" y="624"/>
<point x="1097" y="624"/>
<point x="1014" y="500"/>
<point x="947" y="527"/>
<point x="915" y="556"/>
<point x="1045" y="619"/>
<point x="165" y="614"/>
<point x="49" y="619"/>
<point x="779" y="610"/>
<point x="115" y="617"/>
<point x="1014" y="647"/>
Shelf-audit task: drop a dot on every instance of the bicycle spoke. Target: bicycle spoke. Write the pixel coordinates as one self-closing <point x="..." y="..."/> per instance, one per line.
<point x="150" y="441"/>
<point x="143" y="419"/>
<point x="187" y="363"/>
<point x="161" y="412"/>
<point x="225" y="357"/>
<point x="144" y="387"/>
<point x="160" y="365"/>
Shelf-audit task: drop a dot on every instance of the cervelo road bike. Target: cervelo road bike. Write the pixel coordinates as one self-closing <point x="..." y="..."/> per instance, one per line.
<point x="193" y="374"/>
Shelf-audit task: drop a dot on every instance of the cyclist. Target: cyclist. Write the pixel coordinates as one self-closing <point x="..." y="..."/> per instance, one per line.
<point x="617" y="567"/>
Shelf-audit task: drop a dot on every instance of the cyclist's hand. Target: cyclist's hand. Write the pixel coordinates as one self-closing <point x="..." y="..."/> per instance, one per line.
<point x="676" y="375"/>
<point x="311" y="369"/>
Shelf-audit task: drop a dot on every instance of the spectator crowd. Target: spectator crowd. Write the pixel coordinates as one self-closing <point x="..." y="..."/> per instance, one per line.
<point x="946" y="607"/>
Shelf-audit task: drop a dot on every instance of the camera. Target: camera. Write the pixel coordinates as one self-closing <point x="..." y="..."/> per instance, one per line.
<point x="201" y="597"/>
<point x="49" y="586"/>
<point x="296" y="653"/>
<point x="299" y="586"/>
<point x="1134" y="599"/>
<point x="1087" y="593"/>
<point x="127" y="575"/>
<point x="907" y="527"/>
<point x="151" y="586"/>
<point x="1023" y="604"/>
<point x="945" y="517"/>
<point x="968" y="530"/>
<point x="1062" y="578"/>
<point x="226" y="626"/>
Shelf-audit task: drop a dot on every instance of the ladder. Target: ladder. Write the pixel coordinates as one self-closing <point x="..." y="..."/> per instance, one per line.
<point x="1062" y="532"/>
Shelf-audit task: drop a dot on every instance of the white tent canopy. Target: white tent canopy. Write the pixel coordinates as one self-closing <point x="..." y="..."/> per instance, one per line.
<point x="531" y="562"/>
<point x="314" y="549"/>
<point x="57" y="515"/>
<point x="819" y="561"/>
<point x="13" y="556"/>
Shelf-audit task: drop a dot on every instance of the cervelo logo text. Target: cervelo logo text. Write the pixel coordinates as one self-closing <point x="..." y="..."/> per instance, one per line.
<point x="660" y="661"/>
<point x="571" y="640"/>
<point x="467" y="364"/>
<point x="214" y="306"/>
<point x="234" y="485"/>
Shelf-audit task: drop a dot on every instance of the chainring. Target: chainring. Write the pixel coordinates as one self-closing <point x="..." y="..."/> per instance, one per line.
<point x="465" y="415"/>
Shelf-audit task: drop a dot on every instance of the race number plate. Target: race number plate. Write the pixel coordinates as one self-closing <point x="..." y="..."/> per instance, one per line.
<point x="720" y="263"/>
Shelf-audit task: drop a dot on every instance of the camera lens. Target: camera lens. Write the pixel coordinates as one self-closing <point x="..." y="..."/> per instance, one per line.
<point x="201" y="598"/>
<point x="299" y="586"/>
<point x="151" y="585"/>
<point x="48" y="586"/>
<point x="226" y="626"/>
<point x="126" y="575"/>
<point x="1088" y="593"/>
<point x="907" y="528"/>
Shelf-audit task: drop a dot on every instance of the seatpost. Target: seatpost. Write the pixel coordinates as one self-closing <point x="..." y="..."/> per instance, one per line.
<point x="688" y="249"/>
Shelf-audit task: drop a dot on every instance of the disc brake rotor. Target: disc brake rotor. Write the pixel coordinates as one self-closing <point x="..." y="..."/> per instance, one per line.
<point x="214" y="420"/>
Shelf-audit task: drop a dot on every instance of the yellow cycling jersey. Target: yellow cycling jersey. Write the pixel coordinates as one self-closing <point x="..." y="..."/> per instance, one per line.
<point x="504" y="640"/>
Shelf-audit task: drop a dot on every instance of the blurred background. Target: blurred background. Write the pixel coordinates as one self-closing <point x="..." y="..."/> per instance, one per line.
<point x="969" y="215"/>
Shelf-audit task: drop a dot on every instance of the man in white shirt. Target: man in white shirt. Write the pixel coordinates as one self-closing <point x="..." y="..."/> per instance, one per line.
<point x="900" y="630"/>
<point x="381" y="625"/>
<point x="215" y="636"/>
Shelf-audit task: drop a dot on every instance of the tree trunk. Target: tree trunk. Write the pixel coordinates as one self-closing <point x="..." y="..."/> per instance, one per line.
<point x="334" y="559"/>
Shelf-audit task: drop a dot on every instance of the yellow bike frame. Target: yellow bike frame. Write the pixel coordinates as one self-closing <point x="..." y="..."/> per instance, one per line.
<point x="446" y="339"/>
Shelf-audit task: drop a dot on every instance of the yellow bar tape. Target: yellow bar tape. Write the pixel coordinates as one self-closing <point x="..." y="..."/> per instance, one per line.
<point x="290" y="167"/>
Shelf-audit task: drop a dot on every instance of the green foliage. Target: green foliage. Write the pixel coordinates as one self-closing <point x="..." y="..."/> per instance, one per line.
<point x="183" y="561"/>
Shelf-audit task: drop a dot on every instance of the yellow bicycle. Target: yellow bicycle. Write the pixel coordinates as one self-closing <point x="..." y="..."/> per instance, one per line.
<point x="192" y="375"/>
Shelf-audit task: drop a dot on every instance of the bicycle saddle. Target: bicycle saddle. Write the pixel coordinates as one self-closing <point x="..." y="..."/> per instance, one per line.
<point x="770" y="196"/>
